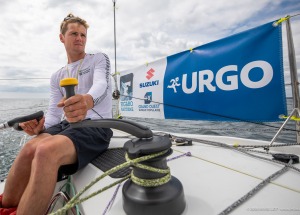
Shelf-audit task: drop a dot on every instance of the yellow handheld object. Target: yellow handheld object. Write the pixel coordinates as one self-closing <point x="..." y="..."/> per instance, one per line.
<point x="68" y="81"/>
<point x="69" y="84"/>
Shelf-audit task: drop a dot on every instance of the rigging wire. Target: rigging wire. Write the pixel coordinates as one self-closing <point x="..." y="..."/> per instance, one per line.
<point x="14" y="79"/>
<point x="215" y="114"/>
<point x="298" y="14"/>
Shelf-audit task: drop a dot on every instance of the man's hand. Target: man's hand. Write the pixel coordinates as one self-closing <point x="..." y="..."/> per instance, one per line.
<point x="76" y="107"/>
<point x="33" y="127"/>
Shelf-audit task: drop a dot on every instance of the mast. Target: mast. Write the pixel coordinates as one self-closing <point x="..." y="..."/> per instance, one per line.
<point x="294" y="81"/>
<point x="115" y="40"/>
<point x="294" y="78"/>
<point x="116" y="93"/>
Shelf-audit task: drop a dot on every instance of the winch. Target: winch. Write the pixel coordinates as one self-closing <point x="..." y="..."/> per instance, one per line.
<point x="151" y="192"/>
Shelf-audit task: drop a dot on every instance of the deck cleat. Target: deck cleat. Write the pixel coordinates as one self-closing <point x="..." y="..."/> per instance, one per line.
<point x="183" y="141"/>
<point x="286" y="158"/>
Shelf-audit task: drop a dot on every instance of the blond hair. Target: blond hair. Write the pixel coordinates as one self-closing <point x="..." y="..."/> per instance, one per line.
<point x="70" y="18"/>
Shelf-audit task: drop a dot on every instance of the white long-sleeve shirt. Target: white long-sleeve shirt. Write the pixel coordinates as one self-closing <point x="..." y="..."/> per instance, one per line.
<point x="93" y="79"/>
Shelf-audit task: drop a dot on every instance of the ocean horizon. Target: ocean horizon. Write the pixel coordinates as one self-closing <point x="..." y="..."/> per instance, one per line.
<point x="31" y="95"/>
<point x="24" y="95"/>
<point x="14" y="106"/>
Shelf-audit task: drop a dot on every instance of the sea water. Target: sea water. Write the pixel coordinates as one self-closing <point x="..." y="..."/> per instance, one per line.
<point x="11" y="108"/>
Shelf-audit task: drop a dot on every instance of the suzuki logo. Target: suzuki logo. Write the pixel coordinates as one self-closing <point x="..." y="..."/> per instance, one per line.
<point x="150" y="74"/>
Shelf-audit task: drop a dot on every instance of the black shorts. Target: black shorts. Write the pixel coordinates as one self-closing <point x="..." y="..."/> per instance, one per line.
<point x="89" y="142"/>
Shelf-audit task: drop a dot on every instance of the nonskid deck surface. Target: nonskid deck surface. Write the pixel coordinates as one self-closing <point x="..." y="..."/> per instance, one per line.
<point x="212" y="177"/>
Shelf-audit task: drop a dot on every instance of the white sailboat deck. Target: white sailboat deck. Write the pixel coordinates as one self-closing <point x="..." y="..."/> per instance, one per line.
<point x="213" y="178"/>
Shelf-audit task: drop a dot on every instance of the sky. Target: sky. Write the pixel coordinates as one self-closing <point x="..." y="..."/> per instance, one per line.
<point x="146" y="30"/>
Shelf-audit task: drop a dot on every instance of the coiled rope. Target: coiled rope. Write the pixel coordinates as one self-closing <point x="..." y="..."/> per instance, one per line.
<point x="134" y="162"/>
<point x="109" y="205"/>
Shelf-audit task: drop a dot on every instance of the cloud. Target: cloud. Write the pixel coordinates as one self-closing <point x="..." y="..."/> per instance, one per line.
<point x="146" y="30"/>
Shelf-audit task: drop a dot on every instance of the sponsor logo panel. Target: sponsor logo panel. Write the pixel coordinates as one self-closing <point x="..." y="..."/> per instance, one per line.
<point x="148" y="105"/>
<point x="126" y="90"/>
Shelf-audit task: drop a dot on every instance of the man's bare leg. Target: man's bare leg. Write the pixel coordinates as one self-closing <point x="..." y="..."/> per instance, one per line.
<point x="51" y="153"/>
<point x="19" y="173"/>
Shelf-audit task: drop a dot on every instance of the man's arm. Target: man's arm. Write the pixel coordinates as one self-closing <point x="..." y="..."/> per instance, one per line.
<point x="54" y="114"/>
<point x="101" y="79"/>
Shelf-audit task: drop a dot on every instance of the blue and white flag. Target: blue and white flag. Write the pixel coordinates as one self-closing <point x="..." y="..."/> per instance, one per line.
<point x="236" y="78"/>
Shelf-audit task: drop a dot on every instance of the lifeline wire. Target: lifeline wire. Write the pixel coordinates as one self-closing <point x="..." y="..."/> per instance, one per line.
<point x="223" y="145"/>
<point x="14" y="79"/>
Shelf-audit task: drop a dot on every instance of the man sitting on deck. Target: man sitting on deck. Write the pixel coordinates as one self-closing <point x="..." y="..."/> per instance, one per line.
<point x="57" y="146"/>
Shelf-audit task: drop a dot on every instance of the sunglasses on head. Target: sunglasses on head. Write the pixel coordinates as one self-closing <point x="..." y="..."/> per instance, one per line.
<point x="67" y="18"/>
